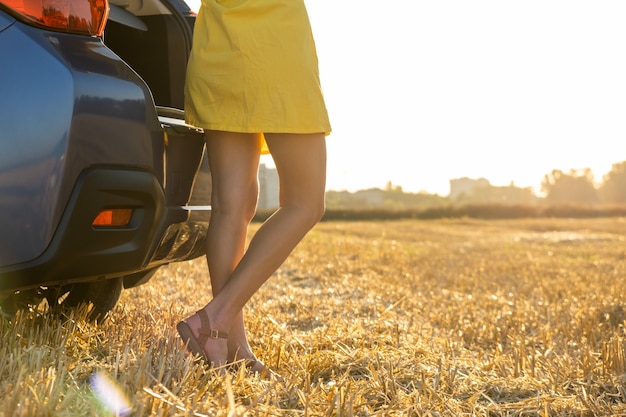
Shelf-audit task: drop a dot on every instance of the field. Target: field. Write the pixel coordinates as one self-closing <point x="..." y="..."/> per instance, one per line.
<point x="397" y="318"/>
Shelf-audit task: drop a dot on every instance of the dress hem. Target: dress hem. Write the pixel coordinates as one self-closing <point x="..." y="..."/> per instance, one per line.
<point x="301" y="131"/>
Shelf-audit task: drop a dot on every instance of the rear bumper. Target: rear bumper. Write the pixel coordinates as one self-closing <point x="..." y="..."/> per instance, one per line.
<point x="78" y="250"/>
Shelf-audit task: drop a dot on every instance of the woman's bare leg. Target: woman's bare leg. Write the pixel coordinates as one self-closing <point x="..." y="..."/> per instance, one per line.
<point x="301" y="164"/>
<point x="234" y="162"/>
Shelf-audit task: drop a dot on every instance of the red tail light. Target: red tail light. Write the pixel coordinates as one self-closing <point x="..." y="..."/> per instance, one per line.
<point x="113" y="218"/>
<point x="86" y="17"/>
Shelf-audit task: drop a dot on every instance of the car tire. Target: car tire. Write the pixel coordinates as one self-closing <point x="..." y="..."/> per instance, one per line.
<point x="101" y="296"/>
<point x="11" y="304"/>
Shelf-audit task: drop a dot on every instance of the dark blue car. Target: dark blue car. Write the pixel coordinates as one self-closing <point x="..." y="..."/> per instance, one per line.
<point x="101" y="181"/>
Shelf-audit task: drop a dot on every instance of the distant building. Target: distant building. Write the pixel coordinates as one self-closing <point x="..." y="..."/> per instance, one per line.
<point x="465" y="185"/>
<point x="268" y="188"/>
<point x="372" y="197"/>
<point x="480" y="191"/>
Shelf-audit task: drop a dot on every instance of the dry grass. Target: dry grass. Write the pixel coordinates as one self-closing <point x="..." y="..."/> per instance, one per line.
<point x="411" y="318"/>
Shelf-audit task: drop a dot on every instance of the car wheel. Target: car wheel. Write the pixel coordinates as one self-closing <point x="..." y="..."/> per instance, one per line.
<point x="11" y="304"/>
<point x="100" y="296"/>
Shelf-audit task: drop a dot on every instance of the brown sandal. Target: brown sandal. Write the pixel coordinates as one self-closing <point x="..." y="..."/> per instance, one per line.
<point x="196" y="345"/>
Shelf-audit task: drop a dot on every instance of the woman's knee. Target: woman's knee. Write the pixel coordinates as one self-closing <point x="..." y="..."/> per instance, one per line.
<point x="237" y="203"/>
<point x="310" y="211"/>
<point x="318" y="210"/>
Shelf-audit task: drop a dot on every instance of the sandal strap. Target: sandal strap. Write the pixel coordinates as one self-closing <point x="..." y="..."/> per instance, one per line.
<point x="206" y="332"/>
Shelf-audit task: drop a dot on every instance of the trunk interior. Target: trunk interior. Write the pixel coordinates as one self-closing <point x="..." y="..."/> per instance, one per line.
<point x="154" y="38"/>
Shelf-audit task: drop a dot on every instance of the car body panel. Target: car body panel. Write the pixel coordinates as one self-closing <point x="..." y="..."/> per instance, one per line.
<point x="81" y="132"/>
<point x="5" y="21"/>
<point x="80" y="106"/>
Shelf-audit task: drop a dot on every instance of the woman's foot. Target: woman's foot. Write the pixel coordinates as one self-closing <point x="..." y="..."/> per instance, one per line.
<point x="203" y="340"/>
<point x="263" y="371"/>
<point x="214" y="346"/>
<point x="256" y="367"/>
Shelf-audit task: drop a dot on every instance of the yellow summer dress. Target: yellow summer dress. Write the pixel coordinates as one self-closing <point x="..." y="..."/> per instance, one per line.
<point x="254" y="69"/>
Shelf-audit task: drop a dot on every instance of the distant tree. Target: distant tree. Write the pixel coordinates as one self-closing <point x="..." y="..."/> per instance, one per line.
<point x="573" y="188"/>
<point x="613" y="189"/>
<point x="390" y="187"/>
<point x="402" y="200"/>
<point x="344" y="199"/>
<point x="392" y="197"/>
<point x="502" y="195"/>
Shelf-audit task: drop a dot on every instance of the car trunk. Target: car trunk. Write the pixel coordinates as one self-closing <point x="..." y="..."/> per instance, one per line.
<point x="154" y="38"/>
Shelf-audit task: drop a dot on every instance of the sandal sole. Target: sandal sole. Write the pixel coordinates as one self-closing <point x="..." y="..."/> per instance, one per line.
<point x="193" y="346"/>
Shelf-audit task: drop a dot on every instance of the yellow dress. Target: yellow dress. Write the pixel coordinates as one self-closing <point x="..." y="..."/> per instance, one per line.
<point x="253" y="69"/>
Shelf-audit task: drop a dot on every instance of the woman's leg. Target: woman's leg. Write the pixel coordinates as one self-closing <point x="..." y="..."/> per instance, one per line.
<point x="234" y="161"/>
<point x="301" y="164"/>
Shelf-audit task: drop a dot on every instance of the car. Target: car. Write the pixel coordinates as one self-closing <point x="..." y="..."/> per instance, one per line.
<point x="101" y="180"/>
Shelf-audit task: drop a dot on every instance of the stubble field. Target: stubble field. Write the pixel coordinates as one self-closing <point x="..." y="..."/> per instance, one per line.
<point x="399" y="318"/>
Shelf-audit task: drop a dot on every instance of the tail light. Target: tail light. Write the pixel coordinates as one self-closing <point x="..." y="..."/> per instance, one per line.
<point x="85" y="17"/>
<point x="113" y="218"/>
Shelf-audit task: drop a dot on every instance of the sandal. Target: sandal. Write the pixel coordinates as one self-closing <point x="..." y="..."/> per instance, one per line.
<point x="196" y="345"/>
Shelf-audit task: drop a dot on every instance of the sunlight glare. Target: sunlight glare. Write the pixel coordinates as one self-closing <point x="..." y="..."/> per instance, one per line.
<point x="110" y="394"/>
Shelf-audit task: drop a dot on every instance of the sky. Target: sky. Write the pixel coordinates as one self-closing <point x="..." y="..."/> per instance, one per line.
<point x="421" y="92"/>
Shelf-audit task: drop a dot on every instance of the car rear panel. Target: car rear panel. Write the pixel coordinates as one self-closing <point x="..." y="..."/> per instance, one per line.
<point x="80" y="135"/>
<point x="78" y="106"/>
<point x="5" y="21"/>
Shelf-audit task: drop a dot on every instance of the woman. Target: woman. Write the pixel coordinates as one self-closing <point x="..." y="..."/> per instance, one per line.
<point x="253" y="85"/>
